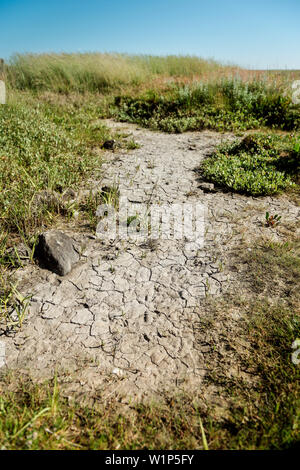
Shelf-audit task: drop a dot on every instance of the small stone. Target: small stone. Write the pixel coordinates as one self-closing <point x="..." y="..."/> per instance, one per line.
<point x="55" y="251"/>
<point x="117" y="372"/>
<point x="207" y="187"/>
<point x="109" y="144"/>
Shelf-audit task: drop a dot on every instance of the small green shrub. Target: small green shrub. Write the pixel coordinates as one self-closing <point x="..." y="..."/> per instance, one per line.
<point x="252" y="166"/>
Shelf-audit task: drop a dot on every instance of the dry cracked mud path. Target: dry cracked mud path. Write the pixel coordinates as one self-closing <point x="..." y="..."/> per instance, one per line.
<point x="125" y="320"/>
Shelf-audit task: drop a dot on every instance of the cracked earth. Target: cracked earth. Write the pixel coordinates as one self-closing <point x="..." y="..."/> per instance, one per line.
<point x="125" y="320"/>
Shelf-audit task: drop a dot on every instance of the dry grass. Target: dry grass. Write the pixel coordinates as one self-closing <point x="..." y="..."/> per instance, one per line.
<point x="101" y="72"/>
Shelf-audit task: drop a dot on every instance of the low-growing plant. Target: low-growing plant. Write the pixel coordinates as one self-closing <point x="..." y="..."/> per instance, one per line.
<point x="251" y="166"/>
<point x="13" y="305"/>
<point x="132" y="145"/>
<point x="272" y="220"/>
<point x="297" y="148"/>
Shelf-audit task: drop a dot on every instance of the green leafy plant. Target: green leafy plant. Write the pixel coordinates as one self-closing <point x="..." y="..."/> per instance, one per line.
<point x="252" y="166"/>
<point x="297" y="147"/>
<point x="272" y="220"/>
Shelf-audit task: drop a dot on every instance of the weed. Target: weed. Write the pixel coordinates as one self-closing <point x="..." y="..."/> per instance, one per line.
<point x="112" y="269"/>
<point x="36" y="154"/>
<point x="13" y="305"/>
<point x="132" y="145"/>
<point x="98" y="204"/>
<point x="150" y="165"/>
<point x="272" y="220"/>
<point x="132" y="219"/>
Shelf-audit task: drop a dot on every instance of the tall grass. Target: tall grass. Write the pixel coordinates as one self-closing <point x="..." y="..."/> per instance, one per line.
<point x="95" y="72"/>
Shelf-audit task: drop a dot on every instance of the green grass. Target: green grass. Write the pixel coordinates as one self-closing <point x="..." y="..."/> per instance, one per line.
<point x="264" y="415"/>
<point x="258" y="165"/>
<point x="271" y="408"/>
<point x="275" y="269"/>
<point x="106" y="196"/>
<point x="36" y="154"/>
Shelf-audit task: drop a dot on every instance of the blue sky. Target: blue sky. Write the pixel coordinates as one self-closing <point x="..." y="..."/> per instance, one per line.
<point x="251" y="33"/>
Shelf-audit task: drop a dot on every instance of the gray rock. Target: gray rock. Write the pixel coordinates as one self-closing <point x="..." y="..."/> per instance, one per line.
<point x="56" y="251"/>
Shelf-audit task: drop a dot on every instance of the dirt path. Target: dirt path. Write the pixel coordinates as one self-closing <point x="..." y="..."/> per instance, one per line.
<point x="124" y="321"/>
